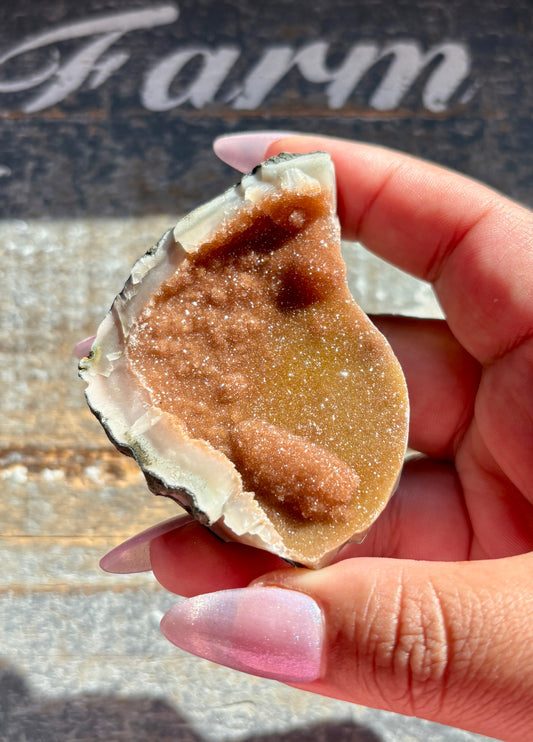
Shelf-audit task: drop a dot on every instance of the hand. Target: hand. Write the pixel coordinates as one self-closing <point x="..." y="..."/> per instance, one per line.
<point x="431" y="615"/>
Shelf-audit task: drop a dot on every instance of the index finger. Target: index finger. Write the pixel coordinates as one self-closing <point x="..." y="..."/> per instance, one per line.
<point x="473" y="244"/>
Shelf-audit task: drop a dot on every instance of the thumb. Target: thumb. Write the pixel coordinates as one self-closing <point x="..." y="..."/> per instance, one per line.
<point x="448" y="642"/>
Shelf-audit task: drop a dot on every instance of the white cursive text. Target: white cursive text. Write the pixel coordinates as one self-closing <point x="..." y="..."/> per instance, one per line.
<point x="447" y="67"/>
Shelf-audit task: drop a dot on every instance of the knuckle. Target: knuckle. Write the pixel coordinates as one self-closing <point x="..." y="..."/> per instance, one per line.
<point x="411" y="656"/>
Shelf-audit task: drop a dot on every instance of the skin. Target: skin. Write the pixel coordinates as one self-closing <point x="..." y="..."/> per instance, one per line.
<point x="431" y="615"/>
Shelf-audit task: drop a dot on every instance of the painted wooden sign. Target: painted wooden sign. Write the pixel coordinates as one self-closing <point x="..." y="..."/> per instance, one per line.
<point x="110" y="107"/>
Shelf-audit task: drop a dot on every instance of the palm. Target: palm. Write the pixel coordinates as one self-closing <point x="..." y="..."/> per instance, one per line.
<point x="494" y="460"/>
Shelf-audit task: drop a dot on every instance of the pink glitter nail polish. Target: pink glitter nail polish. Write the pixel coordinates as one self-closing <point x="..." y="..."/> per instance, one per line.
<point x="245" y="150"/>
<point x="83" y="348"/>
<point x="267" y="631"/>
<point x="134" y="554"/>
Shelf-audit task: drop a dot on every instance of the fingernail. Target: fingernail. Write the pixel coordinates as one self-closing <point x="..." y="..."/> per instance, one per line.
<point x="133" y="555"/>
<point x="266" y="631"/>
<point x="83" y="348"/>
<point x="244" y="151"/>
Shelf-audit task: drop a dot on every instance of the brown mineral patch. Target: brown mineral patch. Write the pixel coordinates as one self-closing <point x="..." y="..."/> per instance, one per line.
<point x="258" y="324"/>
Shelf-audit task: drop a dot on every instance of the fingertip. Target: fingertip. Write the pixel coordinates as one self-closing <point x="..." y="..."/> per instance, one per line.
<point x="195" y="561"/>
<point x="244" y="150"/>
<point x="133" y="555"/>
<point x="83" y="347"/>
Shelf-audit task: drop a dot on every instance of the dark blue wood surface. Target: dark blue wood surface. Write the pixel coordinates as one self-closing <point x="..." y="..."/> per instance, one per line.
<point x="108" y="107"/>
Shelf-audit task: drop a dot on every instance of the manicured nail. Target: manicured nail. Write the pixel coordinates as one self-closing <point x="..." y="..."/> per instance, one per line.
<point x="83" y="348"/>
<point x="246" y="150"/>
<point x="134" y="554"/>
<point x="266" y="631"/>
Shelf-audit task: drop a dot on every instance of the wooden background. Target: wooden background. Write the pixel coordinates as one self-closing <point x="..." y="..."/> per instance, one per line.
<point x="99" y="154"/>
